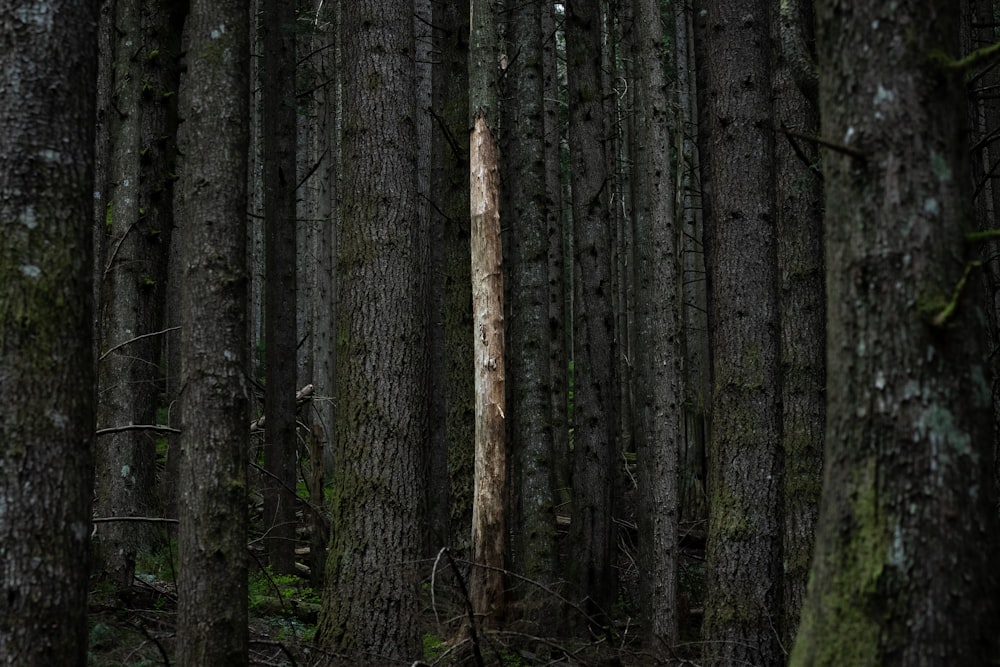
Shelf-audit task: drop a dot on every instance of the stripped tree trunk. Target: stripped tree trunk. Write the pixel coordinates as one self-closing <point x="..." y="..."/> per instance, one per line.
<point x="488" y="531"/>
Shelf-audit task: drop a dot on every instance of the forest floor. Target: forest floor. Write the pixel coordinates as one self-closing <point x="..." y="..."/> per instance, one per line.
<point x="136" y="627"/>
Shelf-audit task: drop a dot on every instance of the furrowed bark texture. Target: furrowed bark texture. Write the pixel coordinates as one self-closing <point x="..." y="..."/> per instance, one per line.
<point x="48" y="53"/>
<point x="743" y="552"/>
<point x="595" y="423"/>
<point x="657" y="294"/>
<point x="138" y="226"/>
<point x="529" y="375"/>
<point x="799" y="223"/>
<point x="451" y="154"/>
<point x="904" y="572"/>
<point x="377" y="532"/>
<point x="212" y="584"/>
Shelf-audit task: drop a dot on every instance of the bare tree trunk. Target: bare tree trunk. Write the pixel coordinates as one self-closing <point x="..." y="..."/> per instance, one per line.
<point x="212" y="585"/>
<point x="489" y="499"/>
<point x="47" y="119"/>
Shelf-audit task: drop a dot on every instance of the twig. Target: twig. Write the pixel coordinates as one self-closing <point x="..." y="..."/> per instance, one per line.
<point x="434" y="570"/>
<point x="144" y="519"/>
<point x="476" y="653"/>
<point x="825" y="143"/>
<point x="144" y="631"/>
<point x="132" y="340"/>
<point x="161" y="428"/>
<point x="280" y="645"/>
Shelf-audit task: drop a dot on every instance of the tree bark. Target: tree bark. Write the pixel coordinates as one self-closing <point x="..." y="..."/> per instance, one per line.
<point x="371" y="598"/>
<point x="453" y="460"/>
<point x="658" y="330"/>
<point x="904" y="572"/>
<point x="133" y="275"/>
<point x="799" y="226"/>
<point x="743" y="551"/>
<point x="534" y="548"/>
<point x="47" y="120"/>
<point x="212" y="584"/>
<point x="486" y="585"/>
<point x="595" y="421"/>
<point x="280" y="289"/>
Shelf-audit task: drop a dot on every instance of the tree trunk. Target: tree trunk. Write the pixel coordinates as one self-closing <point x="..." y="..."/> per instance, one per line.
<point x="322" y="337"/>
<point x="280" y="288"/>
<point x="47" y="119"/>
<point x="134" y="273"/>
<point x="371" y="598"/>
<point x="534" y="545"/>
<point x="743" y="552"/>
<point x="595" y="422"/>
<point x="451" y="155"/>
<point x="212" y="585"/>
<point x="559" y="287"/>
<point x="658" y="330"/>
<point x="799" y="226"/>
<point x="904" y="572"/>
<point x="486" y="585"/>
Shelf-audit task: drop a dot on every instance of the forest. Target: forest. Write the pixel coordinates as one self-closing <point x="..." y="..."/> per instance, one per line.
<point x="481" y="332"/>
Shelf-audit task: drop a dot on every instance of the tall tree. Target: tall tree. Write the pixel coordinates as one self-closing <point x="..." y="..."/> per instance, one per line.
<point x="277" y="29"/>
<point x="212" y="584"/>
<point x="657" y="293"/>
<point x="124" y="459"/>
<point x="489" y="500"/>
<point x="799" y="225"/>
<point x="743" y="552"/>
<point x="560" y="292"/>
<point x="453" y="465"/>
<point x="903" y="572"/>
<point x="371" y="595"/>
<point x="133" y="275"/>
<point x="47" y="119"/>
<point x="529" y="375"/>
<point x="595" y="395"/>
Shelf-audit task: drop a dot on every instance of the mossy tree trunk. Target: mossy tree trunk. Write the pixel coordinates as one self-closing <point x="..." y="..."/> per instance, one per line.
<point x="371" y="597"/>
<point x="47" y="120"/>
<point x="212" y="584"/>
<point x="743" y="552"/>
<point x="904" y="572"/>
